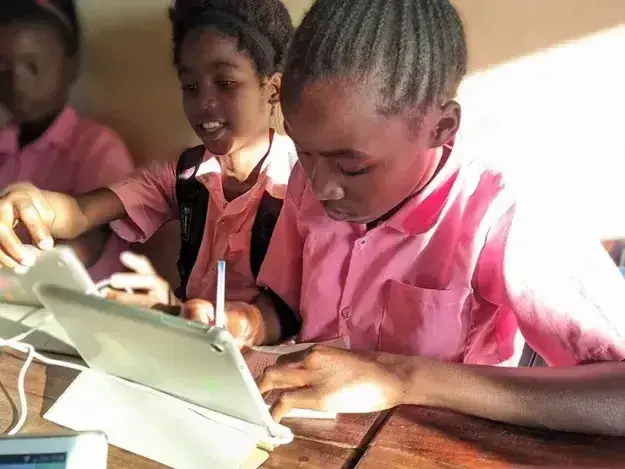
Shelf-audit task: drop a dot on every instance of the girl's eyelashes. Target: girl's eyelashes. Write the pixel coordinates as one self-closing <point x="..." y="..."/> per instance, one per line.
<point x="353" y="172"/>
<point x="32" y="67"/>
<point x="226" y="83"/>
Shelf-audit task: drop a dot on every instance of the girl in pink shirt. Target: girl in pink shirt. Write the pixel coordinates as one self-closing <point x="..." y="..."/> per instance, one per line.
<point x="227" y="192"/>
<point x="46" y="142"/>
<point x="418" y="256"/>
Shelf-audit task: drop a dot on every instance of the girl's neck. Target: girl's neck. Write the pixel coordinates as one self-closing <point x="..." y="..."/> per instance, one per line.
<point x="31" y="131"/>
<point x="244" y="163"/>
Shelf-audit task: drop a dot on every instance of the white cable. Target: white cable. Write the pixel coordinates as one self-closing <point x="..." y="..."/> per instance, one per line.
<point x="32" y="355"/>
<point x="16" y="344"/>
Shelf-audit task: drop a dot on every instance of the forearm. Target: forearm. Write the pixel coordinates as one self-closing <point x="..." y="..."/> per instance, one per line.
<point x="89" y="246"/>
<point x="264" y="326"/>
<point x="74" y="216"/>
<point x="272" y="320"/>
<point x="588" y="398"/>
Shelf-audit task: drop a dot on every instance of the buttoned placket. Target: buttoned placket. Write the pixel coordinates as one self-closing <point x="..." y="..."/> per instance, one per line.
<point x="352" y="280"/>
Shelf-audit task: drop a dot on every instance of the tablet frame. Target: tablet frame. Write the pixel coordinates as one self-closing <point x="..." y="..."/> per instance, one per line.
<point x="58" y="266"/>
<point x="198" y="364"/>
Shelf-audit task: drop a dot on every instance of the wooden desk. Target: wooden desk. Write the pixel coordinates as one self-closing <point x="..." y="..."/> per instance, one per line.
<point x="319" y="444"/>
<point x="422" y="438"/>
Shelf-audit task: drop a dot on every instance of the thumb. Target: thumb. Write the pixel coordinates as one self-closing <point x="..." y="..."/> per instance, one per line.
<point x="137" y="263"/>
<point x="198" y="310"/>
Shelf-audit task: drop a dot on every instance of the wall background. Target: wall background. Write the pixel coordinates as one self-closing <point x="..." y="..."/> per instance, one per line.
<point x="544" y="96"/>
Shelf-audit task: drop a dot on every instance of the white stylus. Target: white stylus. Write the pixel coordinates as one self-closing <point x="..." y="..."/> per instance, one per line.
<point x="220" y="313"/>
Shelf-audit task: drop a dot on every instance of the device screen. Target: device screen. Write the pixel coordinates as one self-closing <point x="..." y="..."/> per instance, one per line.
<point x="33" y="461"/>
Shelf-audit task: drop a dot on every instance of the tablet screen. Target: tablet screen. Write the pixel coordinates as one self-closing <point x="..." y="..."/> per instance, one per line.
<point x="33" y="461"/>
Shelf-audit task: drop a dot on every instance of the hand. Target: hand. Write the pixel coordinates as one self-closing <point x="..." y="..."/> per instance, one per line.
<point x="27" y="204"/>
<point x="244" y="321"/>
<point x="151" y="289"/>
<point x="335" y="380"/>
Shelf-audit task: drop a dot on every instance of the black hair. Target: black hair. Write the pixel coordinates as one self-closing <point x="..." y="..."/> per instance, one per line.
<point x="414" y="50"/>
<point x="269" y="18"/>
<point x="58" y="14"/>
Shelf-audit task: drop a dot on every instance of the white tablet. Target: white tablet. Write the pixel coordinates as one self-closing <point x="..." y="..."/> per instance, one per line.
<point x="65" y="451"/>
<point x="59" y="266"/>
<point x="186" y="359"/>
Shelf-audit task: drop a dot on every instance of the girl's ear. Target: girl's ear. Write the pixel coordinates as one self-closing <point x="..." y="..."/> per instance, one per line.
<point x="274" y="85"/>
<point x="447" y="125"/>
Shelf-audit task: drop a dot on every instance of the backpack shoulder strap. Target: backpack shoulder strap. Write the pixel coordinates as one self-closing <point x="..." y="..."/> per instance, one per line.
<point x="192" y="199"/>
<point x="188" y="159"/>
<point x="262" y="230"/>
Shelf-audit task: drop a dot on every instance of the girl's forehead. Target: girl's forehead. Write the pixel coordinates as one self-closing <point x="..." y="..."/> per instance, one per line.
<point x="30" y="35"/>
<point x="207" y="47"/>
<point x="332" y="114"/>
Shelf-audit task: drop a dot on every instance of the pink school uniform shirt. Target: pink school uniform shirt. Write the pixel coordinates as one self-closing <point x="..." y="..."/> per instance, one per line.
<point x="454" y="275"/>
<point x="150" y="201"/>
<point x="74" y="156"/>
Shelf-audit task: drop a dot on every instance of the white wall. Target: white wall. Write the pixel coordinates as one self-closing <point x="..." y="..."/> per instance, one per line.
<point x="544" y="95"/>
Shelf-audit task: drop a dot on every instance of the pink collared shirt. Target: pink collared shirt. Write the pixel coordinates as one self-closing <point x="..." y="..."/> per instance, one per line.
<point x="454" y="275"/>
<point x="75" y="155"/>
<point x="150" y="201"/>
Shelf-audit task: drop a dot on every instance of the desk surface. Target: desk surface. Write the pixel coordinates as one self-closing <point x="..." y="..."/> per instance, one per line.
<point x="318" y="443"/>
<point x="429" y="438"/>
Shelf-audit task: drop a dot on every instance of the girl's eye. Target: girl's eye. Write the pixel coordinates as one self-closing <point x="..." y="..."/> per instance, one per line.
<point x="225" y="83"/>
<point x="189" y="88"/>
<point x="351" y="173"/>
<point x="32" y="67"/>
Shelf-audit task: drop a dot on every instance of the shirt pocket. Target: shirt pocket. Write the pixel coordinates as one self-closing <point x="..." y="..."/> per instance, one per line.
<point x="425" y="322"/>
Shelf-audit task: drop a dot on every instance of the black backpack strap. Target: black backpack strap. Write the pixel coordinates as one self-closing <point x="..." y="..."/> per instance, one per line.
<point x="264" y="224"/>
<point x="192" y="198"/>
<point x="262" y="230"/>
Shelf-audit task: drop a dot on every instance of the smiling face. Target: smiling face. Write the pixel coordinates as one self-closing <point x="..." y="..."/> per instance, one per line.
<point x="35" y="73"/>
<point x="362" y="164"/>
<point x="227" y="103"/>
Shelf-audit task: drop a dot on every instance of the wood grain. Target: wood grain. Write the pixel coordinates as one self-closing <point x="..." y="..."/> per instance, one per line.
<point x="319" y="443"/>
<point x="439" y="438"/>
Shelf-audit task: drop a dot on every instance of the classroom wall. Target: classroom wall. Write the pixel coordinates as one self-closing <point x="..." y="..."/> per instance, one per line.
<point x="543" y="98"/>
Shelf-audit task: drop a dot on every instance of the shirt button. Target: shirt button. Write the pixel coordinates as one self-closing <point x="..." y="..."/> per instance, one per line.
<point x="362" y="243"/>
<point x="346" y="312"/>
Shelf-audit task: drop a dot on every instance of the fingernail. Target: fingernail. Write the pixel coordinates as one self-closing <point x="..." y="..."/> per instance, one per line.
<point x="46" y="243"/>
<point x="115" y="281"/>
<point x="28" y="259"/>
<point x="126" y="255"/>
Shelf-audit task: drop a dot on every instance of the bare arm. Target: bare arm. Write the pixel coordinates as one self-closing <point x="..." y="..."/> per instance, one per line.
<point x="89" y="246"/>
<point x="265" y="321"/>
<point x="73" y="216"/>
<point x="586" y="398"/>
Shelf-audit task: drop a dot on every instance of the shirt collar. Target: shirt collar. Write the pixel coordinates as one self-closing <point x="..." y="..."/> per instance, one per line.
<point x="275" y="170"/>
<point x="55" y="136"/>
<point x="424" y="210"/>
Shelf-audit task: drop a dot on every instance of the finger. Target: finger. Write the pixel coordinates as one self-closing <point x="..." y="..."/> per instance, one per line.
<point x="33" y="221"/>
<point x="145" y="301"/>
<point x="303" y="398"/>
<point x="7" y="262"/>
<point x="9" y="242"/>
<point x="133" y="281"/>
<point x="138" y="263"/>
<point x="198" y="310"/>
<point x="281" y="377"/>
<point x="294" y="359"/>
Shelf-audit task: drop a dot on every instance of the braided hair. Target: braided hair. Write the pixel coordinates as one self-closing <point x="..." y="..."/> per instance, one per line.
<point x="413" y="50"/>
